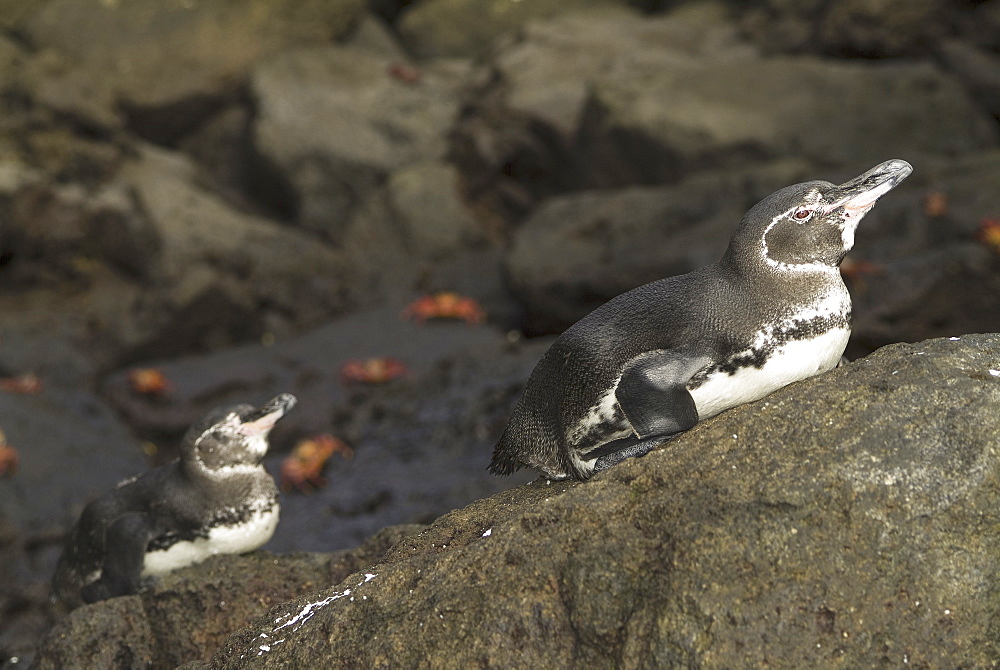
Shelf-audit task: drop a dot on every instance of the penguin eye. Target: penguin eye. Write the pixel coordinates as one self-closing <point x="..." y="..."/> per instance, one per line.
<point x="802" y="214"/>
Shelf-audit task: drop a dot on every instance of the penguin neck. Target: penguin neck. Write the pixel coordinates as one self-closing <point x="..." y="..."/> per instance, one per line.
<point x="223" y="481"/>
<point x="749" y="264"/>
<point x="811" y="285"/>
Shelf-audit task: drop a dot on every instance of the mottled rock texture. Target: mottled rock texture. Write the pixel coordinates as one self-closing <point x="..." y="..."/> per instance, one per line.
<point x="186" y="615"/>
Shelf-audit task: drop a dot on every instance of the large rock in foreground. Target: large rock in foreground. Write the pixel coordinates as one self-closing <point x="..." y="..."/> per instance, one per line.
<point x="187" y="614"/>
<point x="850" y="519"/>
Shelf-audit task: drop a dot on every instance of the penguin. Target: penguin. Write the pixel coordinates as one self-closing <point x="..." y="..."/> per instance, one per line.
<point x="216" y="498"/>
<point x="652" y="362"/>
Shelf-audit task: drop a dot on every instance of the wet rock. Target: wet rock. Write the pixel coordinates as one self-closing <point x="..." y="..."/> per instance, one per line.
<point x="187" y="614"/>
<point x="222" y="148"/>
<point x="49" y="228"/>
<point x="14" y="14"/>
<point x="108" y="58"/>
<point x="818" y="525"/>
<point x="548" y="71"/>
<point x="847" y="27"/>
<point x="577" y="251"/>
<point x="609" y="98"/>
<point x="220" y="267"/>
<point x="519" y="140"/>
<point x="114" y="635"/>
<point x="60" y="433"/>
<point x="426" y="202"/>
<point x="334" y="122"/>
<point x="639" y="130"/>
<point x="978" y="69"/>
<point x="170" y="264"/>
<point x="466" y="28"/>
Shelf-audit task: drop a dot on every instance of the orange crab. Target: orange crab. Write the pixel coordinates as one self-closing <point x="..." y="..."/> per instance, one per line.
<point x="405" y="73"/>
<point x="8" y="457"/>
<point x="445" y="305"/>
<point x="989" y="233"/>
<point x="935" y="204"/>
<point x="302" y="469"/>
<point x="855" y="270"/>
<point x="28" y="384"/>
<point x="149" y="381"/>
<point x="372" y="370"/>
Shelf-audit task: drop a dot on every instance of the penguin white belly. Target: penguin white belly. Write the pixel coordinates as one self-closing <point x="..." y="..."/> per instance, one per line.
<point x="790" y="362"/>
<point x="234" y="539"/>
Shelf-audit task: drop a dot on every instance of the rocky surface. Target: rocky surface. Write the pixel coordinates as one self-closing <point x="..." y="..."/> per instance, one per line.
<point x="245" y="194"/>
<point x="847" y="519"/>
<point x="154" y="629"/>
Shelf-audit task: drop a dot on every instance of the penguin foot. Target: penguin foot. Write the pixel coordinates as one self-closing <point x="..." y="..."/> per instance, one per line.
<point x="633" y="450"/>
<point x="102" y="589"/>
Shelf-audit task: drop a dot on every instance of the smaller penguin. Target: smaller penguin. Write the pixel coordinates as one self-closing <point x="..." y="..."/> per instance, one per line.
<point x="216" y="498"/>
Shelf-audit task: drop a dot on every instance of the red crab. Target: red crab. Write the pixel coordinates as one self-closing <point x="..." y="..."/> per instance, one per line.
<point x="149" y="381"/>
<point x="405" y="73"/>
<point x="855" y="270"/>
<point x="302" y="469"/>
<point x="935" y="204"/>
<point x="27" y="383"/>
<point x="8" y="457"/>
<point x="445" y="305"/>
<point x="989" y="233"/>
<point x="372" y="370"/>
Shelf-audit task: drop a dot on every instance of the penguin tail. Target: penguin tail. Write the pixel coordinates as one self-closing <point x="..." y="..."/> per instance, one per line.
<point x="503" y="463"/>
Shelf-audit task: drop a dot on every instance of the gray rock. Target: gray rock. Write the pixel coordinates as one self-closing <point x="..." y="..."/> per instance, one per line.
<point x="658" y="125"/>
<point x="60" y="433"/>
<point x="115" y="634"/>
<point x="848" y="519"/>
<point x="108" y="57"/>
<point x="333" y="122"/>
<point x="577" y="251"/>
<point x="65" y="223"/>
<point x="520" y="139"/>
<point x="608" y="98"/>
<point x="847" y="27"/>
<point x="434" y="220"/>
<point x="548" y="71"/>
<point x="219" y="266"/>
<point x="186" y="615"/>
<point x="467" y="28"/>
<point x="978" y="69"/>
<point x="948" y="290"/>
<point x="13" y="15"/>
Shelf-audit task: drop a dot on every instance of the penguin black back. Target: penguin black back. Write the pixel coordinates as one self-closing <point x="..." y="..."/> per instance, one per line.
<point x="653" y="361"/>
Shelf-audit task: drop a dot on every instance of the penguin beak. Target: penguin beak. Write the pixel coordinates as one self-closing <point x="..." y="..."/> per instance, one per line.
<point x="261" y="421"/>
<point x="859" y="195"/>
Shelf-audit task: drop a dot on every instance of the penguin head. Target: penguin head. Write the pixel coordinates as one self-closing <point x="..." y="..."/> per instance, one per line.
<point x="811" y="226"/>
<point x="234" y="436"/>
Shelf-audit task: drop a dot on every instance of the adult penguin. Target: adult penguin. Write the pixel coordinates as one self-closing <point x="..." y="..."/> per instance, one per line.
<point x="654" y="361"/>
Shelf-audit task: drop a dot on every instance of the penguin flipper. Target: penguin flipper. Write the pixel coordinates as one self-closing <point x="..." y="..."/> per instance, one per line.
<point x="652" y="394"/>
<point x="127" y="539"/>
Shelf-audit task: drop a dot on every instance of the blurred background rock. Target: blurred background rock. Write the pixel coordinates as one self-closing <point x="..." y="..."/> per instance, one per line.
<point x="245" y="194"/>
